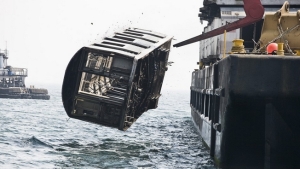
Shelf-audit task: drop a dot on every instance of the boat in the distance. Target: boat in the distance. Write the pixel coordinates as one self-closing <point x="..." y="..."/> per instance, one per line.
<point x="12" y="82"/>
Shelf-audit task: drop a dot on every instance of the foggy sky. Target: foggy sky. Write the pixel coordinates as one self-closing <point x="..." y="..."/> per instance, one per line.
<point x="43" y="35"/>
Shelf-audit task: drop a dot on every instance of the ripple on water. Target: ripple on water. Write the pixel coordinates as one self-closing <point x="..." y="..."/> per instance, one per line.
<point x="34" y="142"/>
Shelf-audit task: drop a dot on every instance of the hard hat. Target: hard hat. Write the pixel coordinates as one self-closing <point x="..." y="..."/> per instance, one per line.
<point x="272" y="48"/>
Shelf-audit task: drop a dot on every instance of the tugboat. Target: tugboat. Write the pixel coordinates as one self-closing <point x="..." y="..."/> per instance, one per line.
<point x="12" y="82"/>
<point x="245" y="95"/>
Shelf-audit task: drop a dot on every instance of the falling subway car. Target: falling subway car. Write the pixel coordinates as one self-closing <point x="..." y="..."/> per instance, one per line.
<point x="113" y="82"/>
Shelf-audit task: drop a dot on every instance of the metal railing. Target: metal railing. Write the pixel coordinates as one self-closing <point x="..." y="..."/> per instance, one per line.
<point x="14" y="72"/>
<point x="18" y="71"/>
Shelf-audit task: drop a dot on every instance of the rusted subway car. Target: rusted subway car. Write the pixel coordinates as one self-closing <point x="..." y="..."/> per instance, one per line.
<point x="114" y="81"/>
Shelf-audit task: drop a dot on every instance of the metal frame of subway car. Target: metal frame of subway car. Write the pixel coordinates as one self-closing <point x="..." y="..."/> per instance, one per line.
<point x="246" y="108"/>
<point x="114" y="81"/>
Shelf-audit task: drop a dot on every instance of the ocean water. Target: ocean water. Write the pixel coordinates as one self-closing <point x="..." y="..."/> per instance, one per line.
<point x="39" y="134"/>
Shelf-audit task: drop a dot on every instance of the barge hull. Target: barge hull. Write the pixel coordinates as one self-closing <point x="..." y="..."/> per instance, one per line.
<point x="24" y="93"/>
<point x="251" y="106"/>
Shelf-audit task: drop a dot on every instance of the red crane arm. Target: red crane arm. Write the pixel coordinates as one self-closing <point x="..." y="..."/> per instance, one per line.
<point x="254" y="12"/>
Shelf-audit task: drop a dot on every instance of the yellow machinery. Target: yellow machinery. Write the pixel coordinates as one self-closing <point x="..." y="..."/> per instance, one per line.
<point x="281" y="27"/>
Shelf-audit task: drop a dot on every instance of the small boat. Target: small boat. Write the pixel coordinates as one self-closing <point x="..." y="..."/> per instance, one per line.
<point x="12" y="82"/>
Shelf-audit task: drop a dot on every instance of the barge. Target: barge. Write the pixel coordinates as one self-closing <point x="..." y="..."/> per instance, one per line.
<point x="245" y="95"/>
<point x="12" y="82"/>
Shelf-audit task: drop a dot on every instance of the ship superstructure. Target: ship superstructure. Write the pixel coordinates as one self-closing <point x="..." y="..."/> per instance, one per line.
<point x="11" y="76"/>
<point x="12" y="82"/>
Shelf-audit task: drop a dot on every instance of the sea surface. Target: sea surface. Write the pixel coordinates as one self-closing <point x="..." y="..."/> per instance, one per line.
<point x="39" y="134"/>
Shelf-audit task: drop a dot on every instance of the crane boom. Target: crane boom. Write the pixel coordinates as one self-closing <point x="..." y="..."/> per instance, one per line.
<point x="254" y="12"/>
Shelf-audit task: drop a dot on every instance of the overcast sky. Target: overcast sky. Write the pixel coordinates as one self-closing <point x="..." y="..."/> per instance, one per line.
<point x="43" y="35"/>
